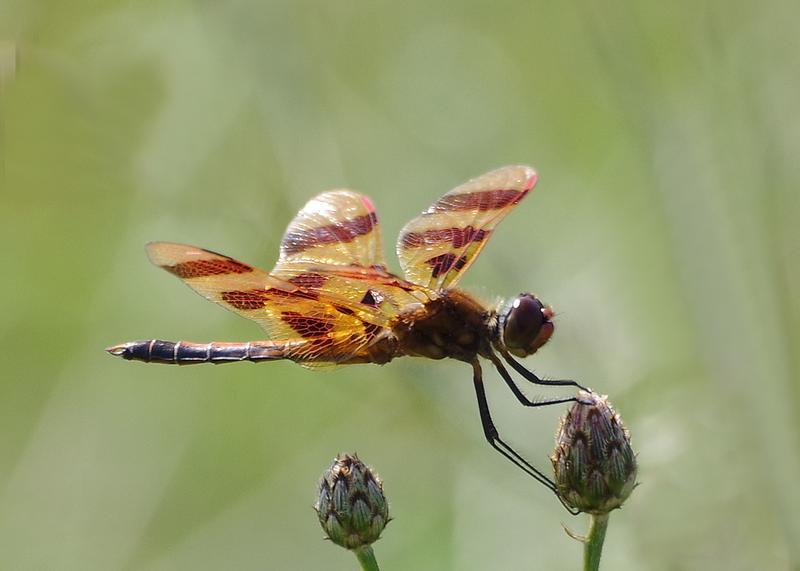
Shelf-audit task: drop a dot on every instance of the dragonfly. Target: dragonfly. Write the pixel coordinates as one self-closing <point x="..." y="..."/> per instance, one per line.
<point x="330" y="299"/>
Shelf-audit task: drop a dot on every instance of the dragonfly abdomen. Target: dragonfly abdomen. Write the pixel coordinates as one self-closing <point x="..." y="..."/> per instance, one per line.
<point x="186" y="353"/>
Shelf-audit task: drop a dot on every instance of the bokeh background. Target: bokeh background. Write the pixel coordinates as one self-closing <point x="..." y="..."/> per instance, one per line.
<point x="664" y="230"/>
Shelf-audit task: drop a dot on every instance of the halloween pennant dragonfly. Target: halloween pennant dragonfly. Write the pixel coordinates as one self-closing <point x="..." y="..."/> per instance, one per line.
<point x="330" y="299"/>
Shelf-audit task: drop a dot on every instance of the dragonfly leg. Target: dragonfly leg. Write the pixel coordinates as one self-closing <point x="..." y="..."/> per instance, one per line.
<point x="533" y="378"/>
<point x="493" y="437"/>
<point x="519" y="394"/>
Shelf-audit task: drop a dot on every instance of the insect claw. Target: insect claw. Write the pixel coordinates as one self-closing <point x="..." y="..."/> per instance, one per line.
<point x="585" y="397"/>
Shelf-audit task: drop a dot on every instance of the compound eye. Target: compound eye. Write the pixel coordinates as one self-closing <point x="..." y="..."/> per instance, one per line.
<point x="523" y="322"/>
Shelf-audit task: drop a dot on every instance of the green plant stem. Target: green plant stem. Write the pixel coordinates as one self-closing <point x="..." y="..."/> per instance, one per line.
<point x="367" y="559"/>
<point x="593" y="544"/>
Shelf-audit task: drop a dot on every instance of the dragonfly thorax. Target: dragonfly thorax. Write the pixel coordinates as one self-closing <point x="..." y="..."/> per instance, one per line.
<point x="525" y="324"/>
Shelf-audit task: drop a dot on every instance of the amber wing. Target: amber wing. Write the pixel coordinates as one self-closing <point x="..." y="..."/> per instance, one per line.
<point x="311" y="327"/>
<point x="333" y="247"/>
<point x="438" y="246"/>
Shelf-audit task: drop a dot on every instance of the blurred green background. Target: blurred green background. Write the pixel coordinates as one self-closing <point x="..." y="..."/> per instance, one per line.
<point x="664" y="230"/>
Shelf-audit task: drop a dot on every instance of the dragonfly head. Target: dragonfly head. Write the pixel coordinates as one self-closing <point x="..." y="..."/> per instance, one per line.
<point x="525" y="324"/>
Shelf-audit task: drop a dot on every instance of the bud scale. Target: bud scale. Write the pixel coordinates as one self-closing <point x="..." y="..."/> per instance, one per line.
<point x="594" y="464"/>
<point x="352" y="508"/>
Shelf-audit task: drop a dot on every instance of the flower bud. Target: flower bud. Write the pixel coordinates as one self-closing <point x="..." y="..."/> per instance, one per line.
<point x="594" y="464"/>
<point x="351" y="507"/>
